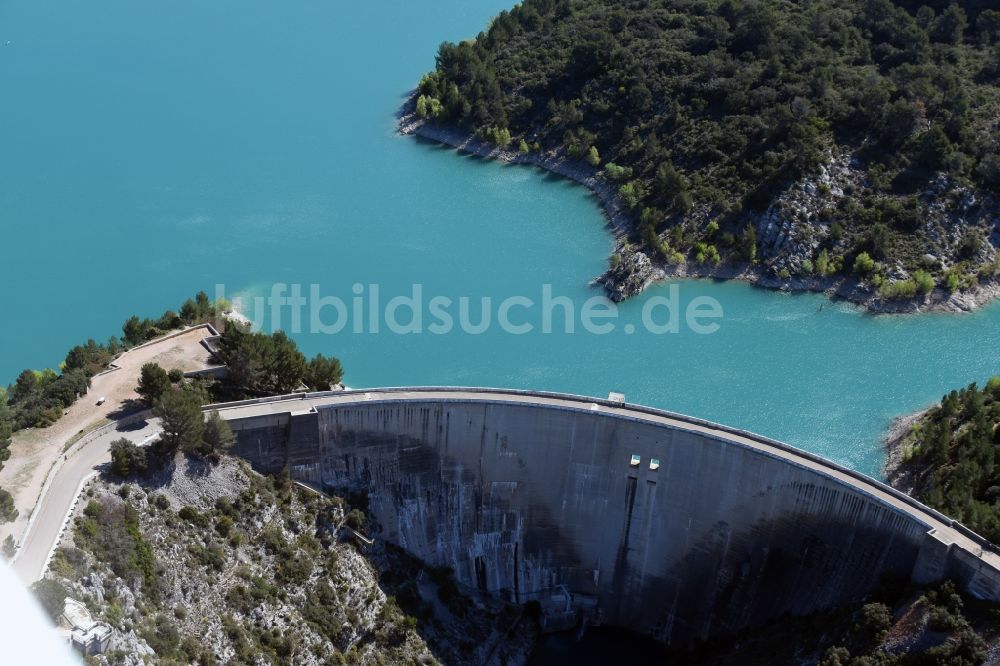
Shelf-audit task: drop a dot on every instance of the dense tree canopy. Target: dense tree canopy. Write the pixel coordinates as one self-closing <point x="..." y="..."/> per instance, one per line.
<point x="38" y="397"/>
<point x="717" y="104"/>
<point x="956" y="447"/>
<point x="6" y="428"/>
<point x="7" y="510"/>
<point x="263" y="364"/>
<point x="92" y="357"/>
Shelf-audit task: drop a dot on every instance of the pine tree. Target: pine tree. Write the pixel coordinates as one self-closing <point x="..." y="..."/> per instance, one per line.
<point x="218" y="436"/>
<point x="181" y="418"/>
<point x="154" y="382"/>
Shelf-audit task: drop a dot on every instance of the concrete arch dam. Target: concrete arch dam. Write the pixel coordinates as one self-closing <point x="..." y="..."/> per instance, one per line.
<point x="653" y="521"/>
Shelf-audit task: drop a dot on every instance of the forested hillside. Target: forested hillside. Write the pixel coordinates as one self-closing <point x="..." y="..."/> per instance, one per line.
<point x="705" y="113"/>
<point x="950" y="458"/>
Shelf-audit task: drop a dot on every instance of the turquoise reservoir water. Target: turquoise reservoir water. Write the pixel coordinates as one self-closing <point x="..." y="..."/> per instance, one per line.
<point x="153" y="149"/>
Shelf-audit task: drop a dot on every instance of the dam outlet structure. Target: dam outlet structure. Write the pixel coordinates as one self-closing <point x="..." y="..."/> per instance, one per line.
<point x="606" y="512"/>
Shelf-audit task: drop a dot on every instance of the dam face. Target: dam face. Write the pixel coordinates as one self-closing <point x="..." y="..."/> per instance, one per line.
<point x="660" y="527"/>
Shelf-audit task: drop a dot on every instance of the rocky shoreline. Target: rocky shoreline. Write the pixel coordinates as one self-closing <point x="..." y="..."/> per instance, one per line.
<point x="896" y="473"/>
<point x="634" y="270"/>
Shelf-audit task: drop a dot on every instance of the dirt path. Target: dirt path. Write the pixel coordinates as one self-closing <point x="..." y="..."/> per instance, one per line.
<point x="35" y="451"/>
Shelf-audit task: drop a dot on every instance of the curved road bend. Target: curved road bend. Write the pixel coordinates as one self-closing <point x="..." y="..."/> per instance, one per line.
<point x="37" y="455"/>
<point x="55" y="505"/>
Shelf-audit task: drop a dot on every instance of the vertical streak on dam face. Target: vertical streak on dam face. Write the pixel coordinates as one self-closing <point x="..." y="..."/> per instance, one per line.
<point x="523" y="499"/>
<point x="621" y="558"/>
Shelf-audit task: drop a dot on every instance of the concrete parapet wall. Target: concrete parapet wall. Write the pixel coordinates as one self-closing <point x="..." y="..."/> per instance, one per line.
<point x="669" y="529"/>
<point x="974" y="575"/>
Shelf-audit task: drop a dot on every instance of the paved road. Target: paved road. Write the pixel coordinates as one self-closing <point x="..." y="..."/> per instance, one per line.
<point x="53" y="510"/>
<point x="304" y="402"/>
<point x="36" y="450"/>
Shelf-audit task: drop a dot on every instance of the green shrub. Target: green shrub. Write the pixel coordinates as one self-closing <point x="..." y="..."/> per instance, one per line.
<point x="428" y="107"/>
<point x="224" y="525"/>
<point x="69" y="563"/>
<point x="7" y="511"/>
<point x="10" y="549"/>
<point x="114" y="614"/>
<point x="295" y="569"/>
<point x="274" y="541"/>
<point x="193" y="516"/>
<point x="617" y="173"/>
<point x="899" y="290"/>
<point x="876" y="619"/>
<point x="323" y="372"/>
<point x="225" y="507"/>
<point x="706" y="253"/>
<point x="711" y="229"/>
<point x="163" y="637"/>
<point x="748" y="243"/>
<point x="864" y="264"/>
<point x="924" y="282"/>
<point x="356" y="519"/>
<point x="631" y="193"/>
<point x="213" y="556"/>
<point x="498" y="135"/>
<point x="93" y="509"/>
<point x="823" y="263"/>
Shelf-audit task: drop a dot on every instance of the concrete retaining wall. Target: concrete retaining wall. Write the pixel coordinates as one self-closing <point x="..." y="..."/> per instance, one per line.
<point x="520" y="499"/>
